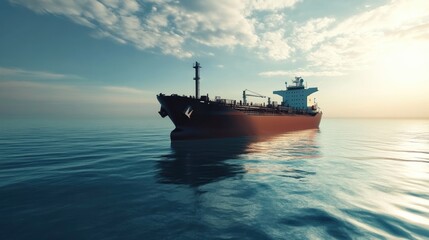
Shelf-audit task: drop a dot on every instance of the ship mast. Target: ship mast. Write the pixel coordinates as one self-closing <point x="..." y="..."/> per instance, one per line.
<point x="197" y="67"/>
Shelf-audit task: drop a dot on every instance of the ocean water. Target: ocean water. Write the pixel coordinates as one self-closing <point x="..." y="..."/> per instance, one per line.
<point x="351" y="179"/>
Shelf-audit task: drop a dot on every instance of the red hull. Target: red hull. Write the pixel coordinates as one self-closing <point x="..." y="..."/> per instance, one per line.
<point x="196" y="119"/>
<point x="269" y="125"/>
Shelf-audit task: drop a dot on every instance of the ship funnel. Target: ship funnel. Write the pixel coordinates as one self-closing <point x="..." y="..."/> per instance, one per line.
<point x="197" y="67"/>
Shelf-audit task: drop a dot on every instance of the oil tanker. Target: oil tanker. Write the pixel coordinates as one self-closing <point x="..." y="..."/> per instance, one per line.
<point x="197" y="117"/>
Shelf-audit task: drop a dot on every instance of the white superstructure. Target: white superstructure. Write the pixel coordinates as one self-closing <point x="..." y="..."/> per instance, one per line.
<point x="297" y="96"/>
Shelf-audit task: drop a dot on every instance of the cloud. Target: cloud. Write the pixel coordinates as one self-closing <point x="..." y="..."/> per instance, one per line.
<point x="301" y="73"/>
<point x="124" y="90"/>
<point x="357" y="41"/>
<point x="311" y="33"/>
<point x="330" y="47"/>
<point x="26" y="98"/>
<point x="275" y="45"/>
<point x="26" y="74"/>
<point x="12" y="84"/>
<point x="271" y="5"/>
<point x="171" y="27"/>
<point x="189" y="28"/>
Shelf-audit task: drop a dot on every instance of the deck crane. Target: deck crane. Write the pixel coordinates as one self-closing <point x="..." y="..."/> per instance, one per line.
<point x="254" y="94"/>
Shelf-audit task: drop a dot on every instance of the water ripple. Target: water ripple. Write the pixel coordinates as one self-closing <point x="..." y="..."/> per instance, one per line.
<point x="353" y="179"/>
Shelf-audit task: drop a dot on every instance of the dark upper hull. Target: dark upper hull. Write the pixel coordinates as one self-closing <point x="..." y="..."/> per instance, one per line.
<point x="196" y="119"/>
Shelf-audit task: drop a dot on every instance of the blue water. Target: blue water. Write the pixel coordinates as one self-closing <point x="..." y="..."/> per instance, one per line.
<point x="352" y="179"/>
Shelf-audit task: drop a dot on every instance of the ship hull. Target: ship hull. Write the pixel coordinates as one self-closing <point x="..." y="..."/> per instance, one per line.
<point x="197" y="119"/>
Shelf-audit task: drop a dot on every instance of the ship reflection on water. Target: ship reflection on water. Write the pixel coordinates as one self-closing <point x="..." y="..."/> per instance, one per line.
<point x="200" y="162"/>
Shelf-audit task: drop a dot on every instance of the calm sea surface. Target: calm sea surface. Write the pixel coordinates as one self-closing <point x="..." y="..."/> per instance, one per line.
<point x="352" y="179"/>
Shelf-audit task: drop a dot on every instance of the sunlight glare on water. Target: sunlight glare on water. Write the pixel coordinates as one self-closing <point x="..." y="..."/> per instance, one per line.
<point x="350" y="179"/>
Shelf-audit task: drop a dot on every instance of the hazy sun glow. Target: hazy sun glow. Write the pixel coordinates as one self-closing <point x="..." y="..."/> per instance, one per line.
<point x="405" y="61"/>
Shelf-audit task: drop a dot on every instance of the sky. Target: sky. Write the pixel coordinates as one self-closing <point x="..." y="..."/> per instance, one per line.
<point x="109" y="58"/>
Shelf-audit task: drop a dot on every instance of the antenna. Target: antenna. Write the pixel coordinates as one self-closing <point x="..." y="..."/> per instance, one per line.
<point x="197" y="67"/>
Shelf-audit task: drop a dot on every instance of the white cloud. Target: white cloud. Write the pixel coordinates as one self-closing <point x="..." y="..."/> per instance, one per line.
<point x="356" y="41"/>
<point x="311" y="33"/>
<point x="271" y="22"/>
<point x="301" y="73"/>
<point x="275" y="46"/>
<point x="330" y="47"/>
<point x="270" y="4"/>
<point x="124" y="90"/>
<point x="171" y="27"/>
<point x="26" y="74"/>
<point x="180" y="28"/>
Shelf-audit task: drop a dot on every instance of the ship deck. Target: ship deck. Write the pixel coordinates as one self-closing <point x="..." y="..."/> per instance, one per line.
<point x="252" y="108"/>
